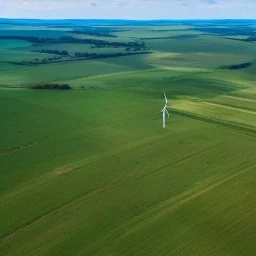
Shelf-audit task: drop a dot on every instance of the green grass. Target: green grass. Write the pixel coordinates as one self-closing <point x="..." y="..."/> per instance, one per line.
<point x="37" y="33"/>
<point x="91" y="171"/>
<point x="54" y="72"/>
<point x="31" y="27"/>
<point x="204" y="44"/>
<point x="73" y="48"/>
<point x="22" y="55"/>
<point x="196" y="59"/>
<point x="8" y="44"/>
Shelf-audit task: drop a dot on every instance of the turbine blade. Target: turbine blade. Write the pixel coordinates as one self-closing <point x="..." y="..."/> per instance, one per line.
<point x="165" y="98"/>
<point x="167" y="112"/>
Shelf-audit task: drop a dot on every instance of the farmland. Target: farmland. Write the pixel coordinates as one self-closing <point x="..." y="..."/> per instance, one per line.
<point x="91" y="171"/>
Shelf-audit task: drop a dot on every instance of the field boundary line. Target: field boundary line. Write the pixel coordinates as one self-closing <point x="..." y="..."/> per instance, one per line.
<point x="168" y="207"/>
<point x="227" y="106"/>
<point x="188" y="196"/>
<point x="64" y="205"/>
<point x="183" y="159"/>
<point x="238" y="98"/>
<point x="231" y="126"/>
<point x="222" y="105"/>
<point x="172" y="203"/>
<point x="79" y="164"/>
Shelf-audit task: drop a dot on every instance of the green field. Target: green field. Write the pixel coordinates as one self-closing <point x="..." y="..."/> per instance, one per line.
<point x="91" y="171"/>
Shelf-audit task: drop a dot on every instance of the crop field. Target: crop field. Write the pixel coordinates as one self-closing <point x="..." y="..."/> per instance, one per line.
<point x="91" y="171"/>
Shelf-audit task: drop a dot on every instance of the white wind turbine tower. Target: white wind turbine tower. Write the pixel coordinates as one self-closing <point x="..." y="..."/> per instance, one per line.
<point x="165" y="110"/>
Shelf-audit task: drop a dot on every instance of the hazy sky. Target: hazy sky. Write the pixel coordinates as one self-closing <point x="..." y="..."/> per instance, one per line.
<point x="128" y="9"/>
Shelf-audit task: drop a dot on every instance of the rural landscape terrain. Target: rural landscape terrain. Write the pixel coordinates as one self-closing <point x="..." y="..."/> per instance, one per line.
<point x="86" y="168"/>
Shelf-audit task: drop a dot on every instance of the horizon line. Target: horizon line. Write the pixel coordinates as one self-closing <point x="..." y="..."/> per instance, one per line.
<point x="118" y="19"/>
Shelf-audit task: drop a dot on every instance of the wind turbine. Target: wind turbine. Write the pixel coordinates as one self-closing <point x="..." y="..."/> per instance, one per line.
<point x="165" y="110"/>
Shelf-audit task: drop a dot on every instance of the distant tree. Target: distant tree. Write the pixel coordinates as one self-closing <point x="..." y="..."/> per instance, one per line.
<point x="64" y="87"/>
<point x="51" y="87"/>
<point x="64" y="53"/>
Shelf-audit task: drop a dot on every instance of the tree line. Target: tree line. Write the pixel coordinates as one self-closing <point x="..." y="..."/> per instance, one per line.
<point x="57" y="52"/>
<point x="78" y="56"/>
<point x="100" y="32"/>
<point x="70" y="39"/>
<point x="92" y="33"/>
<point x="105" y="55"/>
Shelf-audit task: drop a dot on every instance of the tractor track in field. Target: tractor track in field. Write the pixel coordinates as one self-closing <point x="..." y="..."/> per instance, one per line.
<point x="17" y="148"/>
<point x="224" y="105"/>
<point x="45" y="216"/>
<point x="181" y="160"/>
<point x="101" y="190"/>
<point x="239" y="98"/>
<point x="170" y="204"/>
<point x="231" y="126"/>
<point x="246" y="111"/>
<point x="98" y="191"/>
<point x="64" y="169"/>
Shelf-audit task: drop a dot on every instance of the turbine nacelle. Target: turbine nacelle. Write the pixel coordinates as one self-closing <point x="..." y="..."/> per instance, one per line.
<point x="165" y="109"/>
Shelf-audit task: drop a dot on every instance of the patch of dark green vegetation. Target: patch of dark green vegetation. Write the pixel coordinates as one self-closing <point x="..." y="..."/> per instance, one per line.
<point x="92" y="33"/>
<point x="51" y="87"/>
<point x="57" y="52"/>
<point x="77" y="56"/>
<point x="196" y="85"/>
<point x="105" y="55"/>
<point x="227" y="31"/>
<point x="249" y="39"/>
<point x="70" y="39"/>
<point x="237" y="66"/>
<point x="172" y="37"/>
<point x="169" y="30"/>
<point x="97" y="31"/>
<point x="14" y="149"/>
<point x="232" y="126"/>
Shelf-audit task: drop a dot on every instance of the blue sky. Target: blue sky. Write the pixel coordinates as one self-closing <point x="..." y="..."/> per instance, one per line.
<point x="129" y="9"/>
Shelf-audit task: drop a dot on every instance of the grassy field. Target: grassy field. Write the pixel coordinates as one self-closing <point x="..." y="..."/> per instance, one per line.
<point x="91" y="171"/>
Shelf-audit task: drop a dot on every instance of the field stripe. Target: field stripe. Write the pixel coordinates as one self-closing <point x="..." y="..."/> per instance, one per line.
<point x="238" y="98"/>
<point x="232" y="126"/>
<point x="230" y="107"/>
<point x="98" y="191"/>
<point x="169" y="205"/>
<point x="74" y="166"/>
<point x="183" y="69"/>
<point x="181" y="160"/>
<point x="175" y="202"/>
<point x="39" y="220"/>
<point x="15" y="149"/>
